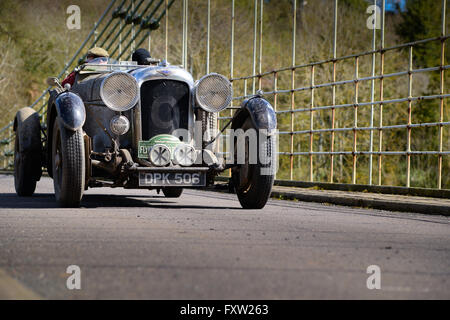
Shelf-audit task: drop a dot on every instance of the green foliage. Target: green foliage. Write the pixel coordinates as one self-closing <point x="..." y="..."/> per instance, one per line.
<point x="34" y="44"/>
<point x="355" y="4"/>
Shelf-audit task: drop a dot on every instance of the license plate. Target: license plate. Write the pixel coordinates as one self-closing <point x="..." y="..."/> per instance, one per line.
<point x="178" y="179"/>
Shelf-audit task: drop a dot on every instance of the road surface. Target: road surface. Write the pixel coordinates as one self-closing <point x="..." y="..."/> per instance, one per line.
<point x="135" y="244"/>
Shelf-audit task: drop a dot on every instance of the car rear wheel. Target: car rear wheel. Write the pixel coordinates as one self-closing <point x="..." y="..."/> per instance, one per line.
<point x="68" y="165"/>
<point x="172" y="192"/>
<point x="253" y="182"/>
<point x="27" y="152"/>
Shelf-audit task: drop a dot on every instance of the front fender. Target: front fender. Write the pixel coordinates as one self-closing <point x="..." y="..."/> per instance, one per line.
<point x="71" y="110"/>
<point x="260" y="111"/>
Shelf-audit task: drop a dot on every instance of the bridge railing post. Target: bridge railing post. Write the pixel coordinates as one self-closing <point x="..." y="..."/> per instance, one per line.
<point x="311" y="128"/>
<point x="441" y="92"/>
<point x="408" y="128"/>
<point x="333" y="93"/>
<point x="167" y="30"/>
<point x="255" y="27"/>
<point x="380" y="136"/>
<point x="291" y="149"/>
<point x="355" y="122"/>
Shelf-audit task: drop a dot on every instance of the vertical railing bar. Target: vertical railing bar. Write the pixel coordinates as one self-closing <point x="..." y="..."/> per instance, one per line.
<point x="232" y="41"/>
<point x="232" y="54"/>
<point x="9" y="145"/>
<point x="5" y="163"/>
<point x="254" y="45"/>
<point x="133" y="46"/>
<point x="380" y="141"/>
<point x="294" y="30"/>
<point x="208" y="35"/>
<point x="408" y="136"/>
<point x="120" y="38"/>
<point x="311" y="127"/>
<point x="231" y="59"/>
<point x="95" y="32"/>
<point x="333" y="98"/>
<point x="372" y="95"/>
<point x="150" y="42"/>
<point x="275" y="98"/>
<point x="186" y="38"/>
<point x="167" y="29"/>
<point x="441" y="91"/>
<point x="184" y="33"/>
<point x="355" y="121"/>
<point x="260" y="42"/>
<point x="245" y="87"/>
<point x="275" y="89"/>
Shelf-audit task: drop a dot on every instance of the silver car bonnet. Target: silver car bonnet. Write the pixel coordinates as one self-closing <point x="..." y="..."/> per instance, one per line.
<point x="163" y="72"/>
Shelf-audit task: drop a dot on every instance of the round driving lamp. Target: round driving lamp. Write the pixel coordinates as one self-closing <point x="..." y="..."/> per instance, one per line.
<point x="213" y="92"/>
<point x="159" y="155"/>
<point x="184" y="155"/>
<point x="119" y="125"/>
<point x="119" y="91"/>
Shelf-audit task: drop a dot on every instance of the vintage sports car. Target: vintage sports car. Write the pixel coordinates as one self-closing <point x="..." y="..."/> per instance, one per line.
<point x="144" y="126"/>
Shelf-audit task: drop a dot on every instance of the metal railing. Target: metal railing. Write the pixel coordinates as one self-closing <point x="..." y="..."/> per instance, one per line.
<point x="312" y="109"/>
<point x="132" y="22"/>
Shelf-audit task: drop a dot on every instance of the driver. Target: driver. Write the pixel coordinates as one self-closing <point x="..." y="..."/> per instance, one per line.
<point x="92" y="56"/>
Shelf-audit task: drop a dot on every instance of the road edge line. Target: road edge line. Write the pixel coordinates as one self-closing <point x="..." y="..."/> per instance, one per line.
<point x="12" y="289"/>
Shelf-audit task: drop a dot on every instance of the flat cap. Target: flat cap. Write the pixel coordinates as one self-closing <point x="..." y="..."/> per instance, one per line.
<point x="97" y="51"/>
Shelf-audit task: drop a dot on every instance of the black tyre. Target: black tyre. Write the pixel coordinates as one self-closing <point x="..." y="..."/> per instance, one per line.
<point x="68" y="165"/>
<point x="27" y="152"/>
<point x="253" y="182"/>
<point x="174" y="192"/>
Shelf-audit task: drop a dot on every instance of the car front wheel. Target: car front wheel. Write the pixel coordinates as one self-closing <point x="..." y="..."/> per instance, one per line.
<point x="68" y="165"/>
<point x="253" y="181"/>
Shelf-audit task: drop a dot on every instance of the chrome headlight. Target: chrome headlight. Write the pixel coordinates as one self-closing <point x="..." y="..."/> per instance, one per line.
<point x="119" y="91"/>
<point x="213" y="92"/>
<point x="159" y="155"/>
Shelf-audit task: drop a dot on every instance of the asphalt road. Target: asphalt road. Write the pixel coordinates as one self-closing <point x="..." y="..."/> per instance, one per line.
<point x="135" y="244"/>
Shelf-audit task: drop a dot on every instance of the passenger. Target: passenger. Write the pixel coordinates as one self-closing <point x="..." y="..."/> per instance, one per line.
<point x="94" y="55"/>
<point x="141" y="56"/>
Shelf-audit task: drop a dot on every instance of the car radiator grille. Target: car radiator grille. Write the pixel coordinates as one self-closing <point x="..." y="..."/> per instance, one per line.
<point x="164" y="107"/>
